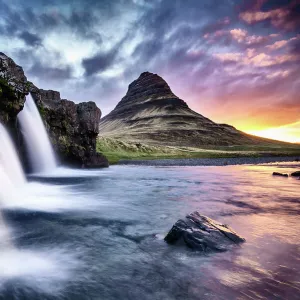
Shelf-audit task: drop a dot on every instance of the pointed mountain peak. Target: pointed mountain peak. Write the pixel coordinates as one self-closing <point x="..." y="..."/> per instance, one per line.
<point x="149" y="87"/>
<point x="150" y="84"/>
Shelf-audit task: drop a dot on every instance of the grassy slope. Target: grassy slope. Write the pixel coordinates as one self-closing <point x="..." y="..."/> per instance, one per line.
<point x="115" y="150"/>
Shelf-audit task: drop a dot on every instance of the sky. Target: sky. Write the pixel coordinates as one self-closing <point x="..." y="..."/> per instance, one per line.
<point x="233" y="61"/>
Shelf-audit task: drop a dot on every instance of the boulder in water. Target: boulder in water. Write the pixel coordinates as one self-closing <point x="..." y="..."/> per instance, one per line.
<point x="296" y="174"/>
<point x="199" y="232"/>
<point x="280" y="174"/>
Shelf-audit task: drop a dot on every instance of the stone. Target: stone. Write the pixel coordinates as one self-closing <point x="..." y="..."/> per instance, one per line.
<point x="296" y="174"/>
<point x="280" y="174"/>
<point x="201" y="233"/>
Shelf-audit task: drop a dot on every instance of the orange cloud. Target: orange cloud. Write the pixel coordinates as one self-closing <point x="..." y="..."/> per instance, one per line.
<point x="239" y="35"/>
<point x="280" y="44"/>
<point x="277" y="16"/>
<point x="242" y="36"/>
<point x="285" y="17"/>
<point x="277" y="45"/>
<point x="257" y="60"/>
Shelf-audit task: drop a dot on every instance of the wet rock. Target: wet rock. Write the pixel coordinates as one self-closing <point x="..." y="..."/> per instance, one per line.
<point x="201" y="233"/>
<point x="280" y="174"/>
<point x="296" y="174"/>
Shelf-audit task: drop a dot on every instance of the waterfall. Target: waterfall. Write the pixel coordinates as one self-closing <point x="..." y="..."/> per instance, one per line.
<point x="10" y="166"/>
<point x="41" y="155"/>
<point x="11" y="178"/>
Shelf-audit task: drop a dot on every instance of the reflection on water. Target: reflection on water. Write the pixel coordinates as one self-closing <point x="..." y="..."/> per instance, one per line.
<point x="100" y="236"/>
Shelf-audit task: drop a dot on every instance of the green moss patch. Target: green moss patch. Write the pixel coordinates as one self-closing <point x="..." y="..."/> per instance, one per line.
<point x="116" y="150"/>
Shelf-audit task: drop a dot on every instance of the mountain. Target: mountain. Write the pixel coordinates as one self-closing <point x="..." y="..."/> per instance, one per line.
<point x="151" y="113"/>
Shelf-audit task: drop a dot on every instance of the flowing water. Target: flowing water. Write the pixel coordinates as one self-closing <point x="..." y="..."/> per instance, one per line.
<point x="9" y="161"/>
<point x="37" y="142"/>
<point x="99" y="234"/>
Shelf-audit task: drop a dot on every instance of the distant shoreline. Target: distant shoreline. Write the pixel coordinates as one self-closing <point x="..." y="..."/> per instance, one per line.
<point x="209" y="161"/>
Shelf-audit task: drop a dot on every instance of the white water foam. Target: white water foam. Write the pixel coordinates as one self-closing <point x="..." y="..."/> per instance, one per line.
<point x="39" y="148"/>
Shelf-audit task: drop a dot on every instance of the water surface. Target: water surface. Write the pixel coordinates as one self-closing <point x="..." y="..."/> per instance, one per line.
<point x="99" y="235"/>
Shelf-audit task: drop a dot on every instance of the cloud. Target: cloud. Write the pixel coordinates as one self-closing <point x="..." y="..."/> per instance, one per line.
<point x="239" y="36"/>
<point x="31" y="39"/>
<point x="98" y="63"/>
<point x="257" y="60"/>
<point x="47" y="72"/>
<point x="286" y="16"/>
<point x="216" y="55"/>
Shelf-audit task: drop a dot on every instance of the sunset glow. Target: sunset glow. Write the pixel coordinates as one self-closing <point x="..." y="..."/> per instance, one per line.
<point x="288" y="133"/>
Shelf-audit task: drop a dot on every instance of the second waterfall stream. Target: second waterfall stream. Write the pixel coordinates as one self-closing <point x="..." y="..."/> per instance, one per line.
<point x="39" y="148"/>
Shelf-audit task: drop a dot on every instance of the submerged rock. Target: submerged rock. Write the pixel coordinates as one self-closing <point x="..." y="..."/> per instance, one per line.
<point x="202" y="233"/>
<point x="296" y="174"/>
<point x="280" y="174"/>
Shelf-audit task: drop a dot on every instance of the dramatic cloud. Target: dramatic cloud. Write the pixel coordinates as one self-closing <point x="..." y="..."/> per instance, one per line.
<point x="31" y="39"/>
<point x="98" y="63"/>
<point x="52" y="73"/>
<point x="226" y="56"/>
<point x="281" y="14"/>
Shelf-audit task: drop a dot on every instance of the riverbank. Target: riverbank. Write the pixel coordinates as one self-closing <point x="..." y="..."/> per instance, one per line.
<point x="125" y="152"/>
<point x="211" y="161"/>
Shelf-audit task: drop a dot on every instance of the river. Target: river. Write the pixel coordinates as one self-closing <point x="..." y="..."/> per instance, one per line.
<point x="99" y="234"/>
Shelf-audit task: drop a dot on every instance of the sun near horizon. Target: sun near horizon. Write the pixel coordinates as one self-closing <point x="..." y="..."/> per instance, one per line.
<point x="283" y="133"/>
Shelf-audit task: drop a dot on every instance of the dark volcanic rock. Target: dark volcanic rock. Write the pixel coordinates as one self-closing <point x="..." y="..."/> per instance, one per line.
<point x="147" y="88"/>
<point x="13" y="88"/>
<point x="296" y="174"/>
<point x="73" y="128"/>
<point x="280" y="174"/>
<point x="202" y="233"/>
<point x="150" y="112"/>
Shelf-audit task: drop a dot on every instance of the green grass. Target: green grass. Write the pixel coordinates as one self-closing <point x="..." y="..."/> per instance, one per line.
<point x="115" y="150"/>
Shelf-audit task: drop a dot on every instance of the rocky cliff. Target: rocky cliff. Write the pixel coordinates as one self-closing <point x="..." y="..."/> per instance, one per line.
<point x="13" y="89"/>
<point x="151" y="113"/>
<point x="73" y="128"/>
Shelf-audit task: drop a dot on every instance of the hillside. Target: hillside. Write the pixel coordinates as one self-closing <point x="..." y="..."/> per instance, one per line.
<point x="152" y="114"/>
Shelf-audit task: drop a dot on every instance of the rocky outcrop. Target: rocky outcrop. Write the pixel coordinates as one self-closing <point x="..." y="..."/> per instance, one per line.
<point x="201" y="233"/>
<point x="296" y="174"/>
<point x="73" y="128"/>
<point x="13" y="89"/>
<point x="151" y="113"/>
<point x="280" y="174"/>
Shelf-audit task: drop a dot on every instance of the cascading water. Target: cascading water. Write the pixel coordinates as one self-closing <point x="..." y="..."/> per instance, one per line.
<point x="34" y="267"/>
<point x="39" y="148"/>
<point x="11" y="177"/>
<point x="9" y="161"/>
